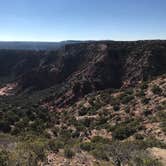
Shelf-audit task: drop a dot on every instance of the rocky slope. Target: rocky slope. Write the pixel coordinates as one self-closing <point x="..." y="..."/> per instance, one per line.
<point x="96" y="103"/>
<point x="84" y="67"/>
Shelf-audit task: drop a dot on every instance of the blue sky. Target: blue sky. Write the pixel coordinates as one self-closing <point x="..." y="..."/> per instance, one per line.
<point x="56" y="20"/>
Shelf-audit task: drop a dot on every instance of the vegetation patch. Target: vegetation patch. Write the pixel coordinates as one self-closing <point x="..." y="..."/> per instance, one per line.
<point x="126" y="129"/>
<point x="156" y="90"/>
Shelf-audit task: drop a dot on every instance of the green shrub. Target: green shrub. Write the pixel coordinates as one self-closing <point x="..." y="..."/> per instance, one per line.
<point x="29" y="152"/>
<point x="86" y="146"/>
<point x="116" y="107"/>
<point x="162" y="118"/>
<point x="115" y="101"/>
<point x="139" y="137"/>
<point x="145" y="160"/>
<point x="145" y="100"/>
<point x="5" y="126"/>
<point x="4" y="158"/>
<point x="39" y="148"/>
<point x="86" y="122"/>
<point x="147" y="112"/>
<point x="151" y="142"/>
<point x="156" y="90"/>
<point x="99" y="139"/>
<point x="124" y="130"/>
<point x="65" y="135"/>
<point x="129" y="91"/>
<point x="82" y="112"/>
<point x="144" y="85"/>
<point x="55" y="145"/>
<point x="68" y="152"/>
<point x="141" y="93"/>
<point x="101" y="121"/>
<point x="163" y="126"/>
<point x="75" y="134"/>
<point x="92" y="111"/>
<point x="100" y="153"/>
<point x="161" y="115"/>
<point x="126" y="98"/>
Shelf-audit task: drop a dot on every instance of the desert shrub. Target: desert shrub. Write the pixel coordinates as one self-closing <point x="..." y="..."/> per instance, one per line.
<point x="156" y="90"/>
<point x="161" y="106"/>
<point x="161" y="115"/>
<point x="87" y="146"/>
<point x="124" y="130"/>
<point x="126" y="97"/>
<point x="105" y="97"/>
<point x="114" y="100"/>
<point x="162" y="119"/>
<point x="38" y="125"/>
<point x="99" y="139"/>
<point x="11" y="117"/>
<point x="29" y="152"/>
<point x="122" y="153"/>
<point x="21" y="125"/>
<point x="145" y="100"/>
<point x="79" y="127"/>
<point x="150" y="142"/>
<point x="100" y="153"/>
<point x="68" y="152"/>
<point x="15" y="131"/>
<point x="72" y="121"/>
<point x="101" y="121"/>
<point x="129" y="91"/>
<point x="97" y="147"/>
<point x="130" y="153"/>
<point x="82" y="111"/>
<point x="55" y="131"/>
<point x="92" y="111"/>
<point x="65" y="135"/>
<point x="55" y="145"/>
<point x="144" y="160"/>
<point x="141" y="93"/>
<point x="139" y="137"/>
<point x="116" y="107"/>
<point x="147" y="112"/>
<point x="144" y="85"/>
<point x="86" y="122"/>
<point x="5" y="126"/>
<point x="163" y="126"/>
<point x="75" y="134"/>
<point x="127" y="109"/>
<point x="38" y="147"/>
<point x="4" y="158"/>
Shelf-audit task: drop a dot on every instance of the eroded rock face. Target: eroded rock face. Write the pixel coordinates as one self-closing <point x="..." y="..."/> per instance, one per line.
<point x="85" y="67"/>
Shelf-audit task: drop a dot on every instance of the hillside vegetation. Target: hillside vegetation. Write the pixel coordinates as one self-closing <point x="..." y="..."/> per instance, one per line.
<point x="88" y="104"/>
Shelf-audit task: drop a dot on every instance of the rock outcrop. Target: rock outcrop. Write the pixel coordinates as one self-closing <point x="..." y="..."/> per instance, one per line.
<point x="84" y="67"/>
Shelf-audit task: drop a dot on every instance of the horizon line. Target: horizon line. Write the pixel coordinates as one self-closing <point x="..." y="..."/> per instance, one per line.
<point x="89" y="40"/>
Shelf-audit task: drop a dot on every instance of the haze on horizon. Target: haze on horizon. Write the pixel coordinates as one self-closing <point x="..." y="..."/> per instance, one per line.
<point x="58" y="20"/>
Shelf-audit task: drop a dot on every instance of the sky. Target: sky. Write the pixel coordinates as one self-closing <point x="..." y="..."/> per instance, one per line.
<point x="57" y="20"/>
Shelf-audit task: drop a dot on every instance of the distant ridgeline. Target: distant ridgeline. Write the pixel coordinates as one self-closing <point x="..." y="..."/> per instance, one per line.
<point x="34" y="45"/>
